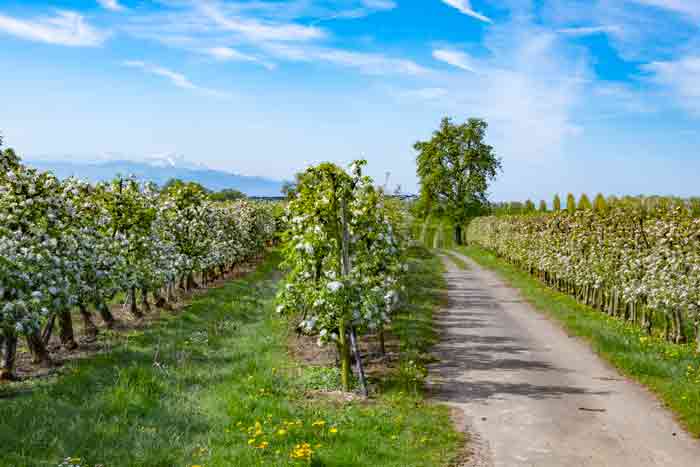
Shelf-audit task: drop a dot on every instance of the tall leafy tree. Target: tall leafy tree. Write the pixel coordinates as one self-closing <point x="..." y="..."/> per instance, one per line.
<point x="584" y="203"/>
<point x="600" y="205"/>
<point x="556" y="206"/>
<point x="455" y="168"/>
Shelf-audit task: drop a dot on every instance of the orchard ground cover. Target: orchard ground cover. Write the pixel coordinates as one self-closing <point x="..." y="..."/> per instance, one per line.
<point x="214" y="386"/>
<point x="672" y="371"/>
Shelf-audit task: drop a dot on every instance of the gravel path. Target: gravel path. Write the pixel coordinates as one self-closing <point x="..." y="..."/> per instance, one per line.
<point x="533" y="396"/>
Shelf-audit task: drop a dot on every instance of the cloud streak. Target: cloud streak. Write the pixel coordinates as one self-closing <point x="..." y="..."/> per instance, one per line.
<point x="366" y="63"/>
<point x="177" y="79"/>
<point x="227" y="54"/>
<point x="455" y="58"/>
<point x="257" y="30"/>
<point x="590" y="30"/>
<point x="465" y="7"/>
<point x="112" y="5"/>
<point x="684" y="7"/>
<point x="67" y="28"/>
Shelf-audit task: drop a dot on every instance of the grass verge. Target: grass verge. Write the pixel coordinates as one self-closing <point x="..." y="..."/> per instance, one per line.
<point x="459" y="262"/>
<point x="671" y="371"/>
<point x="212" y="387"/>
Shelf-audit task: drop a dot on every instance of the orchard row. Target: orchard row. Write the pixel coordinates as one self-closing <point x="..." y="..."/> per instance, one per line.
<point x="68" y="246"/>
<point x="636" y="260"/>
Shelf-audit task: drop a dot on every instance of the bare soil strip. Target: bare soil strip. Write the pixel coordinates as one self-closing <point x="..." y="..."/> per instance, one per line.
<point x="533" y="396"/>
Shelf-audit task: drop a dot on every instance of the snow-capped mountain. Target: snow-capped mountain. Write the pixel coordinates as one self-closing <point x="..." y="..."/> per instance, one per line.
<point x="160" y="169"/>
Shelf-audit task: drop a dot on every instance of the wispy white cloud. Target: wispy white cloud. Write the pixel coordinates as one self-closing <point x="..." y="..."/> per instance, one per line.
<point x="590" y="30"/>
<point x="258" y="30"/>
<point x="686" y="7"/>
<point x="527" y="84"/>
<point x="640" y="30"/>
<point x="464" y="6"/>
<point x="367" y="63"/>
<point x="370" y="63"/>
<point x="355" y="11"/>
<point x="455" y="58"/>
<point x="112" y="5"/>
<point x="66" y="28"/>
<point x="622" y="99"/>
<point x="267" y="33"/>
<point x="681" y="78"/>
<point x="379" y="4"/>
<point x="226" y="54"/>
<point x="177" y="79"/>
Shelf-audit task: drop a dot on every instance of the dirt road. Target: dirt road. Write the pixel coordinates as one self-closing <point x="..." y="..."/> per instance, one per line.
<point x="532" y="396"/>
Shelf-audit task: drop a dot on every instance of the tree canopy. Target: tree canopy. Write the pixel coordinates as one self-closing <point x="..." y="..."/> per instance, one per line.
<point x="455" y="168"/>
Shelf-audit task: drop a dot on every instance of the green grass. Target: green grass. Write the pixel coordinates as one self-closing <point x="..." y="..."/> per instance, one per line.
<point x="671" y="371"/>
<point x="461" y="264"/>
<point x="197" y="387"/>
<point x="438" y="234"/>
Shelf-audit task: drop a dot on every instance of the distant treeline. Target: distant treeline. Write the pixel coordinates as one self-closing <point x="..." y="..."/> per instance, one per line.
<point x="599" y="203"/>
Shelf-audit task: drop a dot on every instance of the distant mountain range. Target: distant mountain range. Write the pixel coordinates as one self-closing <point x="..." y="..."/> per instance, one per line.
<point x="159" y="172"/>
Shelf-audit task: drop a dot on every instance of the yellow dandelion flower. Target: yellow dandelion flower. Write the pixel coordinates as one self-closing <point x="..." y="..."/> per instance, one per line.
<point x="333" y="430"/>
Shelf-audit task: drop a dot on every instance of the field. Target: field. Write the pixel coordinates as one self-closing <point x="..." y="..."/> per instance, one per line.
<point x="193" y="389"/>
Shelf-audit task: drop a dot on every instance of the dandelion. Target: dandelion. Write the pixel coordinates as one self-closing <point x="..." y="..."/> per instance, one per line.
<point x="302" y="451"/>
<point x="333" y="431"/>
<point x="318" y="423"/>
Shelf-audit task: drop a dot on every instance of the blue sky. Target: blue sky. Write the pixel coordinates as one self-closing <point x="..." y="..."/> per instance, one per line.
<point x="581" y="96"/>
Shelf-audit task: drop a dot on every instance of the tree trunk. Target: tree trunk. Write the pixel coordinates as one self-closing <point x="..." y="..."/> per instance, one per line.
<point x="458" y="234"/>
<point x="647" y="319"/>
<point x="106" y="315"/>
<point x="91" y="330"/>
<point x="344" y="355"/>
<point x="133" y="308"/>
<point x="38" y="349"/>
<point x="170" y="292"/>
<point x="191" y="283"/>
<point x="344" y="271"/>
<point x="144" y="300"/>
<point x="65" y="321"/>
<point x="358" y="362"/>
<point x="382" y="345"/>
<point x="667" y="326"/>
<point x="160" y="301"/>
<point x="48" y="329"/>
<point x="7" y="371"/>
<point x="680" y="336"/>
